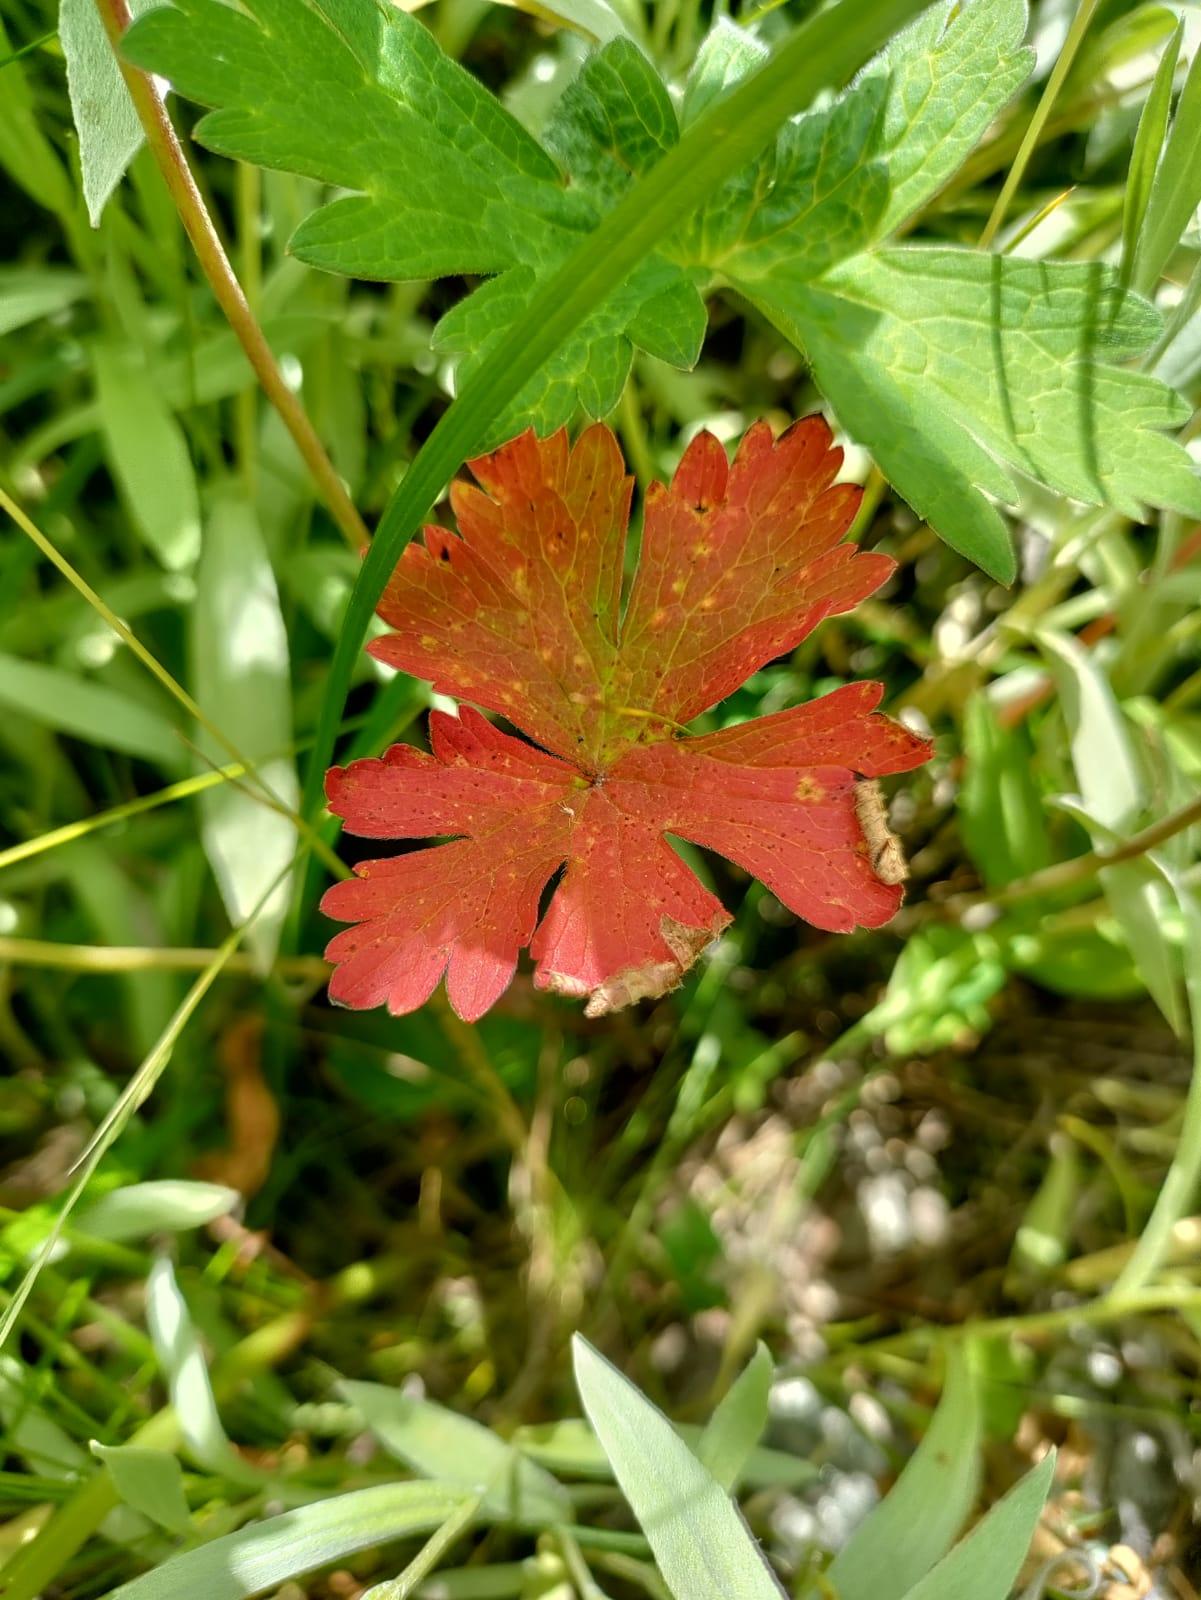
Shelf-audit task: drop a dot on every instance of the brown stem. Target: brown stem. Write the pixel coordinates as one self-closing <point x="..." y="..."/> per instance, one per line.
<point x="173" y="164"/>
<point x="1066" y="874"/>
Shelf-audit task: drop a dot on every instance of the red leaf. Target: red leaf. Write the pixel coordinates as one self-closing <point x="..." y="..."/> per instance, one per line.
<point x="520" y="613"/>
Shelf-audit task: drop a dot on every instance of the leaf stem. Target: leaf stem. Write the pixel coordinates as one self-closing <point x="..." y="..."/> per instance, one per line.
<point x="1067" y="874"/>
<point x="1075" y="37"/>
<point x="214" y="263"/>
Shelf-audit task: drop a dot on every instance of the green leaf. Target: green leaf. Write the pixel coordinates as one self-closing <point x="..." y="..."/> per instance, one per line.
<point x="949" y="75"/>
<point x="263" y="1555"/>
<point x="1176" y="189"/>
<point x="985" y="1564"/>
<point x="570" y="1448"/>
<point x="164" y="1205"/>
<point x="915" y="1525"/>
<point x="455" y="1450"/>
<point x="446" y="180"/>
<point x="704" y="1549"/>
<point x="25" y="152"/>
<point x="27" y="293"/>
<point x="150" y="1481"/>
<point x="110" y="134"/>
<point x="1148" y="146"/>
<point x="841" y="179"/>
<point x="61" y="701"/>
<point x="148" y="454"/>
<point x="1113" y="791"/>
<point x="958" y="369"/>
<point x="241" y="681"/>
<point x="733" y="1430"/>
<point x="1000" y="806"/>
<point x="182" y="1362"/>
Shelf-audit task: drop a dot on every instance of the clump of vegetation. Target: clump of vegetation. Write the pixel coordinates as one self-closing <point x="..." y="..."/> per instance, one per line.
<point x="872" y="1155"/>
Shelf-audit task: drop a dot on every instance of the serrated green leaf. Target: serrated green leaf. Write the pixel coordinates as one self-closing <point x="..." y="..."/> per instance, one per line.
<point x="110" y="134"/>
<point x="949" y="74"/>
<point x="704" y="1549"/>
<point x="958" y="369"/>
<point x="445" y="180"/>
<point x="727" y="54"/>
<point x="733" y="1430"/>
<point x="985" y="1564"/>
<point x="455" y="1450"/>
<point x="148" y="1480"/>
<point x="914" y="1526"/>
<point x="263" y="1555"/>
<point x="241" y="681"/>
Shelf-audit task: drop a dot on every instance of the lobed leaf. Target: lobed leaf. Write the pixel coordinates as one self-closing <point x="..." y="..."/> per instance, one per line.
<point x="521" y="612"/>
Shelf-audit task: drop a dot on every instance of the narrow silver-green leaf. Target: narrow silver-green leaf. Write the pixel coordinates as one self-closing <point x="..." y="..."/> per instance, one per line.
<point x="915" y="1525"/>
<point x="182" y="1360"/>
<point x="733" y="1430"/>
<point x="442" y="1444"/>
<point x="263" y="1555"/>
<point x="985" y="1564"/>
<point x="704" y="1548"/>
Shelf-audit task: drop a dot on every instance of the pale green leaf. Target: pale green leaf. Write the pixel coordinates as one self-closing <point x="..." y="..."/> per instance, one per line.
<point x="739" y="1419"/>
<point x="150" y="1481"/>
<point x="704" y="1549"/>
<point x="263" y="1555"/>
<point x="168" y="1205"/>
<point x="148" y="455"/>
<point x="916" y="1523"/>
<point x="985" y="1564"/>
<point x="455" y="1450"/>
<point x="182" y="1361"/>
<point x="570" y="1448"/>
<point x="241" y="681"/>
<point x="27" y="293"/>
<point x="25" y="153"/>
<point x="75" y="705"/>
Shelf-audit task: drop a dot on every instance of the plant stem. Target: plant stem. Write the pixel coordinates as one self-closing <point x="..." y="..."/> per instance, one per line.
<point x="1079" y="27"/>
<point x="145" y="958"/>
<point x="1183" y="1178"/>
<point x="1067" y="874"/>
<point x="214" y="263"/>
<point x="427" y="1558"/>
